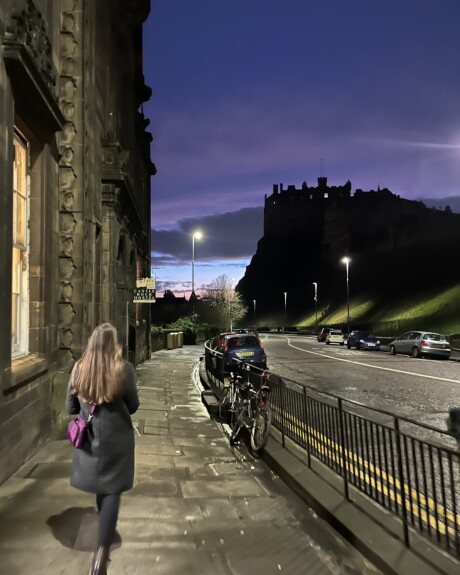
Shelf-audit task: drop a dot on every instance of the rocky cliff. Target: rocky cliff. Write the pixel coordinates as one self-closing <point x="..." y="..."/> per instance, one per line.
<point x="396" y="246"/>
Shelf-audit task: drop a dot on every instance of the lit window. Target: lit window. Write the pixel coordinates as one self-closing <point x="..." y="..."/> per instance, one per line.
<point x="20" y="271"/>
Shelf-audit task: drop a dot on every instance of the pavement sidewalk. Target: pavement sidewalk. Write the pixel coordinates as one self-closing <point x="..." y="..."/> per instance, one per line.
<point x="198" y="505"/>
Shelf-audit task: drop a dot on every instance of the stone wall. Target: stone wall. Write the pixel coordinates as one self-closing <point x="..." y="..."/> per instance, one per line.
<point x="71" y="91"/>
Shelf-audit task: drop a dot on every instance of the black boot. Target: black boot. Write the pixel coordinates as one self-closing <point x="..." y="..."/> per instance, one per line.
<point x="99" y="563"/>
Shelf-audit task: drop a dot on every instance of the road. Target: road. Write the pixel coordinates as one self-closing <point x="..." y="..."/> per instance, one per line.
<point x="420" y="389"/>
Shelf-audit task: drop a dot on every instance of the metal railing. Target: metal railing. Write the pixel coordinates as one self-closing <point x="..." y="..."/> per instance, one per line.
<point x="386" y="457"/>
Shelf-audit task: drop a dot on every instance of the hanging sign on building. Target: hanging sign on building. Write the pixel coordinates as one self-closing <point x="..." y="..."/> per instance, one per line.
<point x="144" y="292"/>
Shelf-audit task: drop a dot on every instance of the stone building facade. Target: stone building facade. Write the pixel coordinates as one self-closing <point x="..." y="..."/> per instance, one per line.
<point x="75" y="200"/>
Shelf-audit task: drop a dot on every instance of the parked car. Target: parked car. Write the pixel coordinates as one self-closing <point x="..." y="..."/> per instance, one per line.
<point x="246" y="330"/>
<point x="421" y="343"/>
<point x="219" y="340"/>
<point x="246" y="347"/>
<point x="335" y="336"/>
<point x="322" y="334"/>
<point x="362" y="340"/>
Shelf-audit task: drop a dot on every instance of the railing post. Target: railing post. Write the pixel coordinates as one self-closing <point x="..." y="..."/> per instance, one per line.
<point x="281" y="388"/>
<point x="401" y="482"/>
<point x="342" y="448"/>
<point x="307" y="426"/>
<point x="222" y="375"/>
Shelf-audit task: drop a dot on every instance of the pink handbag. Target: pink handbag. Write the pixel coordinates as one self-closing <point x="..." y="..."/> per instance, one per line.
<point x="77" y="431"/>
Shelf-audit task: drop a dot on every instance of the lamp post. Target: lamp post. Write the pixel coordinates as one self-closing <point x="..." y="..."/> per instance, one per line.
<point x="316" y="305"/>
<point x="285" y="308"/>
<point x="198" y="235"/>
<point x="254" y="301"/>
<point x="346" y="261"/>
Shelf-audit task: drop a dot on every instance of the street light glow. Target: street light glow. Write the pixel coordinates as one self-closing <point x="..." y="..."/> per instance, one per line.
<point x="315" y="284"/>
<point x="346" y="260"/>
<point x="285" y="309"/>
<point x="195" y="236"/>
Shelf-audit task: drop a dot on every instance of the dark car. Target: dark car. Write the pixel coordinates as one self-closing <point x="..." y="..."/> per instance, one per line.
<point x="322" y="334"/>
<point x="362" y="340"/>
<point x="421" y="343"/>
<point x="246" y="347"/>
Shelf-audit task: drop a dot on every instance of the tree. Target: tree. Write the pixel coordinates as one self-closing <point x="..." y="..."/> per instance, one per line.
<point x="169" y="295"/>
<point x="188" y="325"/>
<point x="222" y="297"/>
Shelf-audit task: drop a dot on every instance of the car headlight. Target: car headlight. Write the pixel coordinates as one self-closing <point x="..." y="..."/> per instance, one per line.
<point x="378" y="342"/>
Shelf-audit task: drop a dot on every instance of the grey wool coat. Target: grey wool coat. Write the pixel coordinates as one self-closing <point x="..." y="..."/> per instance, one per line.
<point x="105" y="464"/>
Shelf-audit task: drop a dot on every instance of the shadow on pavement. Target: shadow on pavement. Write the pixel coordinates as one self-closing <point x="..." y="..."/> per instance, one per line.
<point x="77" y="528"/>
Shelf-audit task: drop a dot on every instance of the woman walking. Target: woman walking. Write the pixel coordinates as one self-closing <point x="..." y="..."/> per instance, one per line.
<point x="103" y="382"/>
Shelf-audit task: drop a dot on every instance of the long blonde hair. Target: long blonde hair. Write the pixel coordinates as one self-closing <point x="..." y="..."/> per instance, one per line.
<point x="97" y="377"/>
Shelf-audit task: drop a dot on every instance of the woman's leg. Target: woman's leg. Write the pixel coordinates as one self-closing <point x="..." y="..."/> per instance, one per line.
<point x="108" y="506"/>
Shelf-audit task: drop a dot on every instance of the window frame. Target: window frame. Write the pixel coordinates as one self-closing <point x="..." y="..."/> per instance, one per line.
<point x="20" y="290"/>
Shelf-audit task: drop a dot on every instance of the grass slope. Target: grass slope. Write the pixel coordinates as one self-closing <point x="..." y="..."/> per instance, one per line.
<point x="434" y="310"/>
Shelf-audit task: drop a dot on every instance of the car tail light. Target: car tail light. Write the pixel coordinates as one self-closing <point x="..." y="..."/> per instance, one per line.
<point x="424" y="343"/>
<point x="226" y="346"/>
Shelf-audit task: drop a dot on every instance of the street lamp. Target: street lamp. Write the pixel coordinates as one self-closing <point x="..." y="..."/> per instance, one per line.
<point x="198" y="235"/>
<point x="285" y="307"/>
<point x="254" y="301"/>
<point x="316" y="305"/>
<point x="346" y="261"/>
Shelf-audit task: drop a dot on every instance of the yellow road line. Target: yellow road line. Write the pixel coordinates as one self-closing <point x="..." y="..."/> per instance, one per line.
<point x="334" y="452"/>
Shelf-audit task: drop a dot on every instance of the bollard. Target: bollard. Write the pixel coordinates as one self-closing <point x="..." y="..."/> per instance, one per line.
<point x="453" y="423"/>
<point x="180" y="339"/>
<point x="170" y="341"/>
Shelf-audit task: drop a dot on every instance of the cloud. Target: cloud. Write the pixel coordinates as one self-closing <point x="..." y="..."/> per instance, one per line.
<point x="228" y="236"/>
<point x="225" y="156"/>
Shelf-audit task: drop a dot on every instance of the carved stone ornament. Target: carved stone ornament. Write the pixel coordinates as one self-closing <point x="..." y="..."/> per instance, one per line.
<point x="66" y="338"/>
<point x="27" y="26"/>
<point x="66" y="292"/>
<point x="110" y="195"/>
<point x="66" y="315"/>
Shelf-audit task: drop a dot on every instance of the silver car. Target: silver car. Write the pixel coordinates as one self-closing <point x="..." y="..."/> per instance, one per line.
<point x="335" y="336"/>
<point x="421" y="343"/>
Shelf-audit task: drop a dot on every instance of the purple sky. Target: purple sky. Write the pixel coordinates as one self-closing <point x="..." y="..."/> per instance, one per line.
<point x="248" y="93"/>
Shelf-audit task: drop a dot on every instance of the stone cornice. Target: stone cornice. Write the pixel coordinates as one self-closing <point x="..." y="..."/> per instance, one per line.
<point x="28" y="59"/>
<point x="27" y="27"/>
